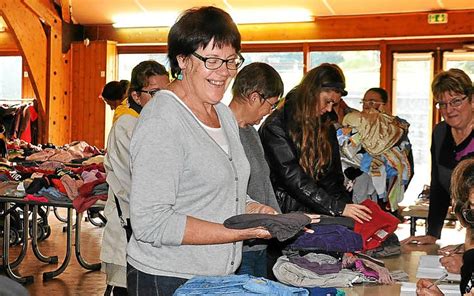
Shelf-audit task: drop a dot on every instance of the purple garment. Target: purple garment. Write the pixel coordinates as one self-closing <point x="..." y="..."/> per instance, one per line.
<point x="466" y="149"/>
<point x="367" y="271"/>
<point x="316" y="267"/>
<point x="332" y="238"/>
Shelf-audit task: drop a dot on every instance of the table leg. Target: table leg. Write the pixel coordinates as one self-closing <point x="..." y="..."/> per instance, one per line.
<point x="34" y="240"/>
<point x="412" y="225"/>
<point x="24" y="246"/>
<point x="6" y="247"/>
<point x="80" y="259"/>
<point x="51" y="274"/>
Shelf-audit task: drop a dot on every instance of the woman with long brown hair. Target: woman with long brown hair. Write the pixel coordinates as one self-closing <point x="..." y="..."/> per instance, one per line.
<point x="302" y="151"/>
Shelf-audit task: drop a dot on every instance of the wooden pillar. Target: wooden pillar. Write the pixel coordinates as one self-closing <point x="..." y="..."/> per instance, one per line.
<point x="93" y="65"/>
<point x="37" y="30"/>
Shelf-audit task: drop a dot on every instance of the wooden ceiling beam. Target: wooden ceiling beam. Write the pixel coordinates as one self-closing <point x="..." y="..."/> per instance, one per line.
<point x="44" y="10"/>
<point x="29" y="36"/>
<point x="383" y="26"/>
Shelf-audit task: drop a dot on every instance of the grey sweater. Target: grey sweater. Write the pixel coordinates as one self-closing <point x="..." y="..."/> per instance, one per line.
<point x="260" y="187"/>
<point x="179" y="171"/>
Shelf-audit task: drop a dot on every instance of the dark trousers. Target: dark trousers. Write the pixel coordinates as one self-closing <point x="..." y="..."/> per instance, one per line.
<point x="144" y="284"/>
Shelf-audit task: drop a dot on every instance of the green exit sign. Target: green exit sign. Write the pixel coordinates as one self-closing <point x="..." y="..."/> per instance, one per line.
<point x="437" y="18"/>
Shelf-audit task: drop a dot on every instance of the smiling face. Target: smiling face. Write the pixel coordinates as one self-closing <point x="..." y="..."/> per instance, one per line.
<point x="328" y="99"/>
<point x="202" y="84"/>
<point x="457" y="117"/>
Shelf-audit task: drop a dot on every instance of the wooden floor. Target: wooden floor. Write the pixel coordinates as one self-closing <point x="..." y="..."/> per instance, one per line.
<point x="78" y="281"/>
<point x="75" y="280"/>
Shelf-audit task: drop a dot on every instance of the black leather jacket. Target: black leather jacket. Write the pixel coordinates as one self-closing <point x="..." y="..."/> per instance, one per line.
<point x="294" y="189"/>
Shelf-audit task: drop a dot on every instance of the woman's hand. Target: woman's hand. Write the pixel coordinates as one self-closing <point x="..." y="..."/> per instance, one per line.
<point x="359" y="213"/>
<point x="426" y="288"/>
<point x="452" y="263"/>
<point x="420" y="240"/>
<point x="258" y="208"/>
<point x="451" y="249"/>
<point x="259" y="232"/>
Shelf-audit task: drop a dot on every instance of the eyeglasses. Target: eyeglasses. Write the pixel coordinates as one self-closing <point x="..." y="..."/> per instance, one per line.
<point x="216" y="63"/>
<point x="371" y="103"/>
<point x="273" y="106"/>
<point x="456" y="102"/>
<point x="151" y="92"/>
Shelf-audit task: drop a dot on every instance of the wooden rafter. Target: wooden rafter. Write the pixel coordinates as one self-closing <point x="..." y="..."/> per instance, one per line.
<point x="27" y="30"/>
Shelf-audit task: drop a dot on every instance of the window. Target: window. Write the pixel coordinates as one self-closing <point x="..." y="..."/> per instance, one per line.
<point x="460" y="60"/>
<point x="361" y="69"/>
<point x="10" y="78"/>
<point x="127" y="61"/>
<point x="288" y="64"/>
<point x="412" y="101"/>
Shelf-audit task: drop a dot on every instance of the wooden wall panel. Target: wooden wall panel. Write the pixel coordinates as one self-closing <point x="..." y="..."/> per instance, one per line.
<point x="343" y="27"/>
<point x="90" y="65"/>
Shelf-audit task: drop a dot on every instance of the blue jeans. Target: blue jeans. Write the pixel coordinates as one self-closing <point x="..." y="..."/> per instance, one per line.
<point x="254" y="263"/>
<point x="242" y="285"/>
<point x="144" y="284"/>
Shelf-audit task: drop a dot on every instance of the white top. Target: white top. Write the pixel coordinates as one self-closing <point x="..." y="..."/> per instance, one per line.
<point x="217" y="134"/>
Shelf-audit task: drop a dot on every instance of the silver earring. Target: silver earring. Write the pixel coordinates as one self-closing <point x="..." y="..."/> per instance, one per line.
<point x="180" y="76"/>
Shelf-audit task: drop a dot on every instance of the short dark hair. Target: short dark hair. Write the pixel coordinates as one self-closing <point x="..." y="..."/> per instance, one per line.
<point x="453" y="80"/>
<point x="115" y="90"/>
<point x="257" y="77"/>
<point x="382" y="92"/>
<point x="143" y="71"/>
<point x="195" y="28"/>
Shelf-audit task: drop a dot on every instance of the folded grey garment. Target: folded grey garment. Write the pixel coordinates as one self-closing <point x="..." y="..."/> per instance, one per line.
<point x="399" y="276"/>
<point x="330" y="220"/>
<point x="283" y="226"/>
<point x="318" y="263"/>
<point x="291" y="274"/>
<point x="383" y="252"/>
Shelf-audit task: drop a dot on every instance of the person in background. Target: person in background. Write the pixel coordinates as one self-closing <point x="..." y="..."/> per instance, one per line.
<point x="256" y="92"/>
<point x="114" y="93"/>
<point x="300" y="144"/>
<point x="189" y="169"/>
<point x="462" y="193"/>
<point x="148" y="77"/>
<point x="375" y="98"/>
<point x="452" y="141"/>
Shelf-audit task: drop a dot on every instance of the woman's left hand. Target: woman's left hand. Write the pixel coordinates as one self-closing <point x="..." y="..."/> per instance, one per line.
<point x="258" y="208"/>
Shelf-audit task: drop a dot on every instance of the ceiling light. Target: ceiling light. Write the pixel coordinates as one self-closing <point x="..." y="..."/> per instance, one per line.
<point x="269" y="16"/>
<point x="145" y="20"/>
<point x="250" y="16"/>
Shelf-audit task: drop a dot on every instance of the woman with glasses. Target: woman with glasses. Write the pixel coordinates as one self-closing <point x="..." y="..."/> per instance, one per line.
<point x="452" y="141"/>
<point x="147" y="78"/>
<point x="462" y="193"/>
<point x="255" y="94"/>
<point x="300" y="144"/>
<point x="189" y="170"/>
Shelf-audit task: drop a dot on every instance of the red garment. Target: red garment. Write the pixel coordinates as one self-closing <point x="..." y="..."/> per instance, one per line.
<point x="82" y="203"/>
<point x="90" y="167"/>
<point x="378" y="229"/>
<point x="26" y="135"/>
<point x="23" y="169"/>
<point x="31" y="197"/>
<point x="59" y="185"/>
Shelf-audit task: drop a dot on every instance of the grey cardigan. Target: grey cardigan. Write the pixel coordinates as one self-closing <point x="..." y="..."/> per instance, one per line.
<point x="177" y="171"/>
